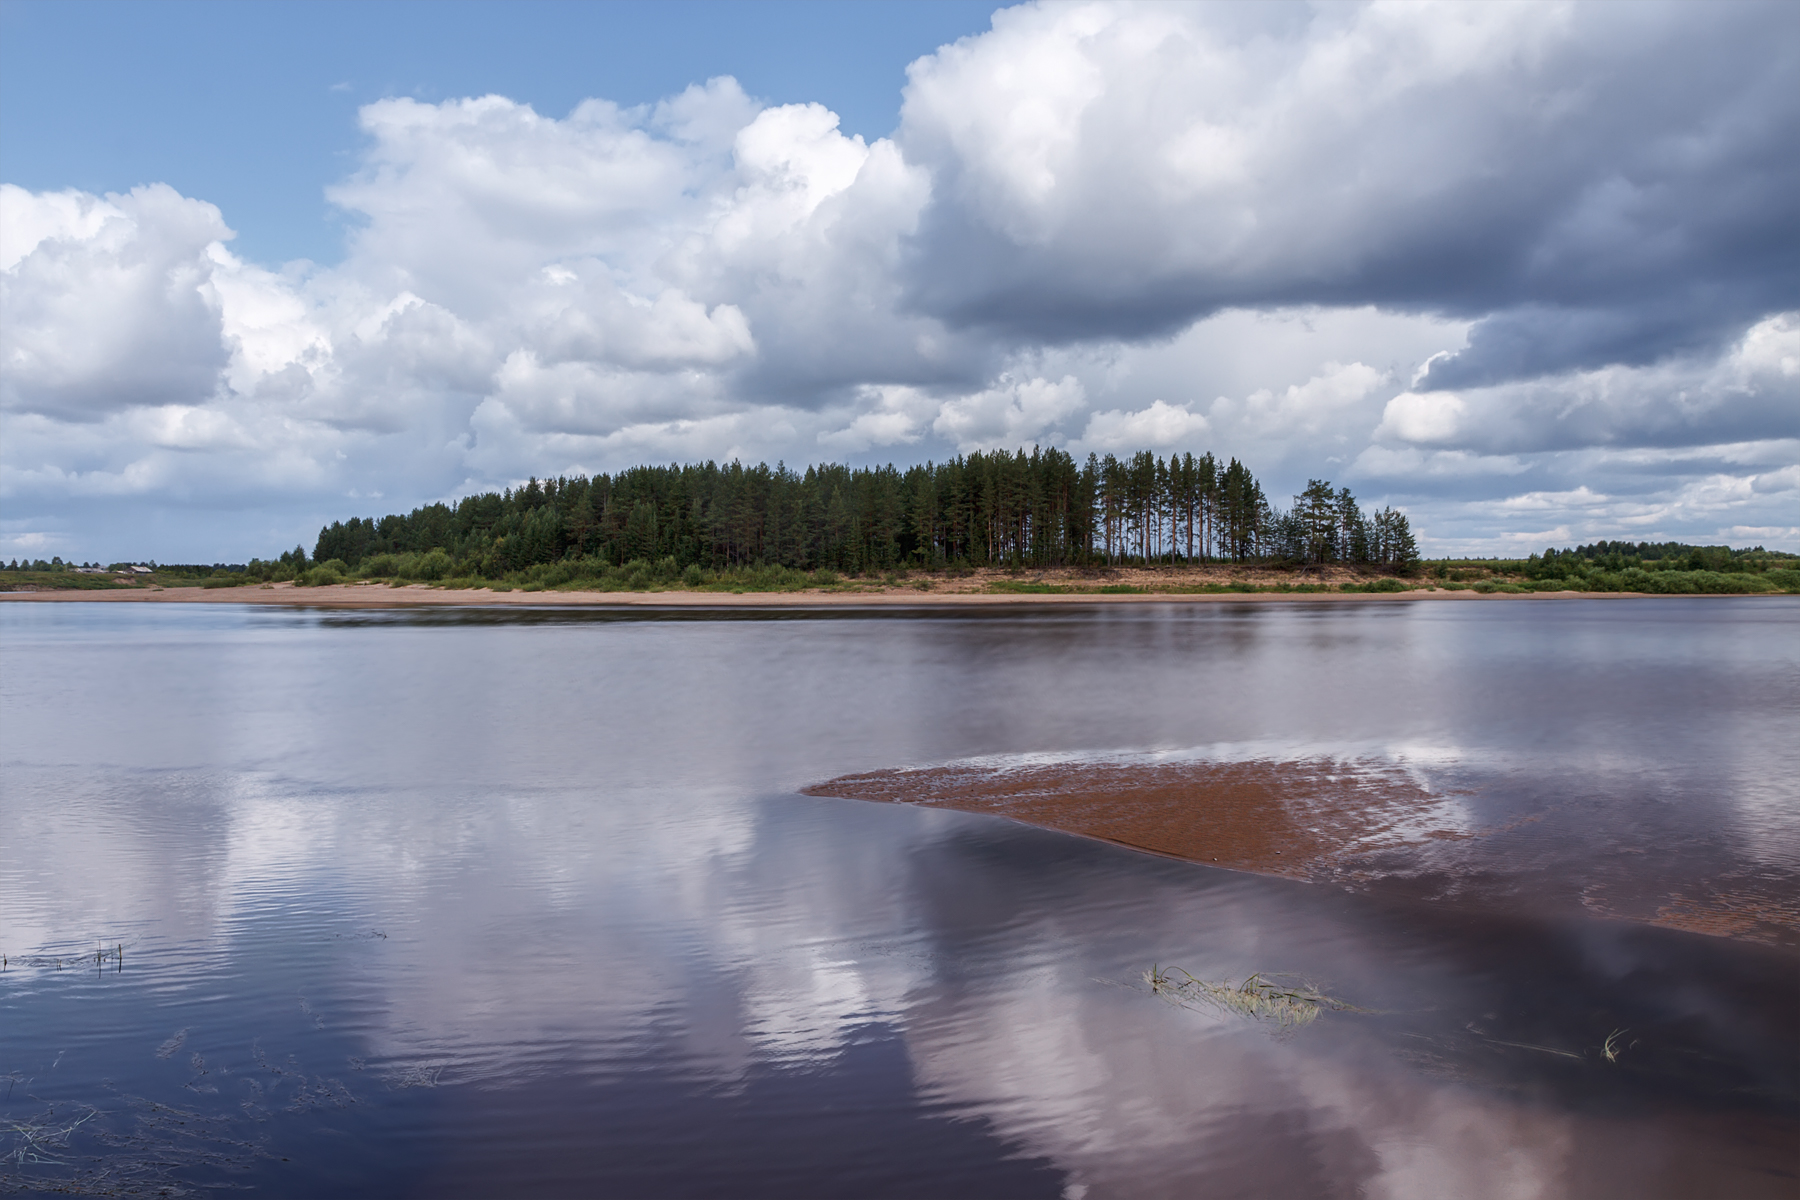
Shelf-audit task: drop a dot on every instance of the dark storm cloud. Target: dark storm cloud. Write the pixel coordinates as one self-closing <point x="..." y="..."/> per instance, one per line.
<point x="1537" y="339"/>
<point x="1599" y="184"/>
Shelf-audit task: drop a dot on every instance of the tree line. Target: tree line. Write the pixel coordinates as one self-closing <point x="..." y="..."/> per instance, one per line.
<point x="1603" y="557"/>
<point x="56" y="566"/>
<point x="1037" y="509"/>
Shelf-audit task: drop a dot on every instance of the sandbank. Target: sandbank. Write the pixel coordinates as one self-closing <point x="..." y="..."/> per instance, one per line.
<point x="1303" y="820"/>
<point x="1351" y="824"/>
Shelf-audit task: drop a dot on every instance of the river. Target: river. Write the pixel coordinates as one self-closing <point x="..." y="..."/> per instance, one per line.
<point x="453" y="902"/>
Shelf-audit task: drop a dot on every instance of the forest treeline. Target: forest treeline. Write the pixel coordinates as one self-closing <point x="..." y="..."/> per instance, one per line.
<point x="1037" y="509"/>
<point x="1665" y="556"/>
<point x="1322" y="525"/>
<point x="1667" y="567"/>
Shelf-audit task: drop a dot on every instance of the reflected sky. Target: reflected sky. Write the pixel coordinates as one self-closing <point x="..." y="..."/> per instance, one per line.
<point x="450" y="902"/>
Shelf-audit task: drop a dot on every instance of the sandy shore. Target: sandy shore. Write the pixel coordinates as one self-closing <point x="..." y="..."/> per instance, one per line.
<point x="364" y="595"/>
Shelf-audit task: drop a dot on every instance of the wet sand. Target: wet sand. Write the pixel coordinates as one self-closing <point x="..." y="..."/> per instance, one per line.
<point x="1302" y="820"/>
<point x="1346" y="823"/>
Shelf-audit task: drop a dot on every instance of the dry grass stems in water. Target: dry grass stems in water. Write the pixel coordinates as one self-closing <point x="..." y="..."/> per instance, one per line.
<point x="1280" y="1000"/>
<point x="112" y="956"/>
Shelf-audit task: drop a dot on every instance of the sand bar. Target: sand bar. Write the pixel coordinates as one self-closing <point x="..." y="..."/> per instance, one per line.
<point x="1310" y="819"/>
<point x="1323" y="821"/>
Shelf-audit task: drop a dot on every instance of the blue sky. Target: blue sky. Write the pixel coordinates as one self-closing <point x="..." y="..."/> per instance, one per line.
<point x="253" y="106"/>
<point x="1528" y="271"/>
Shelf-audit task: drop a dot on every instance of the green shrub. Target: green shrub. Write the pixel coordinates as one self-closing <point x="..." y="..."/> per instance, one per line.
<point x="433" y="566"/>
<point x="553" y="575"/>
<point x="1680" y="583"/>
<point x="759" y="579"/>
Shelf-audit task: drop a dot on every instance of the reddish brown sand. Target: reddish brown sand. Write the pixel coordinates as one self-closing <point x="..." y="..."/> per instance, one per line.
<point x="1746" y="909"/>
<point x="1318" y="820"/>
<point x="1304" y="820"/>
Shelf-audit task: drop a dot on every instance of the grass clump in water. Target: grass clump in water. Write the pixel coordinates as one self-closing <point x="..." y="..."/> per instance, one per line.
<point x="1280" y="1000"/>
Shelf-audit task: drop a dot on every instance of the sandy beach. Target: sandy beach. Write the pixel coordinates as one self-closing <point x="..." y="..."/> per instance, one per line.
<point x="377" y="595"/>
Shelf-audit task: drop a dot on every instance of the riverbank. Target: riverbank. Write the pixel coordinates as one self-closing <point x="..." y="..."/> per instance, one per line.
<point x="641" y="582"/>
<point x="379" y="595"/>
<point x="353" y="595"/>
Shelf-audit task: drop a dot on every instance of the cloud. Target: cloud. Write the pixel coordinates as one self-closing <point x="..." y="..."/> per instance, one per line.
<point x="1431" y="417"/>
<point x="108" y="302"/>
<point x="1009" y="415"/>
<point x="892" y="416"/>
<point x="1588" y="181"/>
<point x="1457" y="253"/>
<point x="1409" y="464"/>
<point x="1304" y="408"/>
<point x="1159" y="426"/>
<point x="1751" y="392"/>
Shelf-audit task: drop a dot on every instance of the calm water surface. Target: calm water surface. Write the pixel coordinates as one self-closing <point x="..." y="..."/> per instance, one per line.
<point x="469" y="902"/>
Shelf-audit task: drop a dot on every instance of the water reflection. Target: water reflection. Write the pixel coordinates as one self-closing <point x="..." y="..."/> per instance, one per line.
<point x="451" y="903"/>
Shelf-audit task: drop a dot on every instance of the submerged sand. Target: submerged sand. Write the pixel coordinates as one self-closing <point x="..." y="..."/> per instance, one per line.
<point x="1349" y="823"/>
<point x="1303" y="820"/>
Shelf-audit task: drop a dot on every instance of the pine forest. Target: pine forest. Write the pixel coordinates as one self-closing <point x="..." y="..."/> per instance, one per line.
<point x="1037" y="509"/>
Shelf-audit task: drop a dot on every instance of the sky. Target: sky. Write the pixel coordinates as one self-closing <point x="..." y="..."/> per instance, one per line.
<point x="1529" y="272"/>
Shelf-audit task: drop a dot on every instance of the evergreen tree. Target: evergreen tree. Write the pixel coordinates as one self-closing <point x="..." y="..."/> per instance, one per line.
<point x="1037" y="508"/>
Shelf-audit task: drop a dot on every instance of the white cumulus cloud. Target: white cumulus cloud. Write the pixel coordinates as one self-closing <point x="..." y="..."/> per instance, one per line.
<point x="1157" y="427"/>
<point x="1009" y="415"/>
